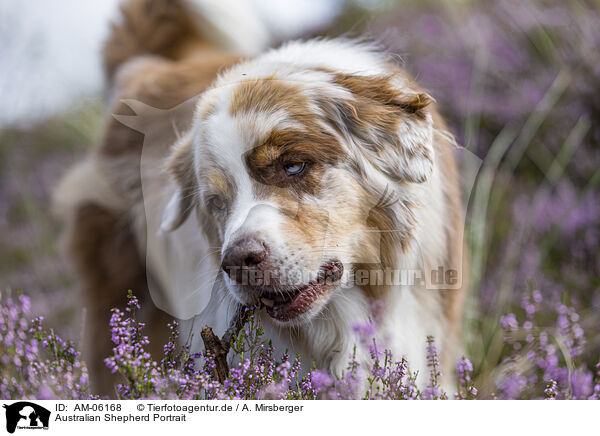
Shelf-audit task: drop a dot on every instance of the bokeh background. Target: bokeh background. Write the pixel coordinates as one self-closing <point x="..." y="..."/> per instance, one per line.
<point x="519" y="83"/>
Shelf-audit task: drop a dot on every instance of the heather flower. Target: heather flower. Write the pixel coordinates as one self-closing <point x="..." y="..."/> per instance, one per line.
<point x="509" y="322"/>
<point x="322" y="383"/>
<point x="596" y="393"/>
<point x="535" y="357"/>
<point x="433" y="390"/>
<point x="550" y="391"/>
<point x="273" y="391"/>
<point x="258" y="373"/>
<point x="52" y="371"/>
<point x="466" y="388"/>
<point x="365" y="331"/>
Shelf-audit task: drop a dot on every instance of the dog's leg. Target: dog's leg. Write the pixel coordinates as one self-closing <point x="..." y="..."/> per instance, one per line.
<point x="105" y="253"/>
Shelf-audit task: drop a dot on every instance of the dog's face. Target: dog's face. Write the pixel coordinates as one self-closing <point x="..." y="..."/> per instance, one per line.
<point x="297" y="176"/>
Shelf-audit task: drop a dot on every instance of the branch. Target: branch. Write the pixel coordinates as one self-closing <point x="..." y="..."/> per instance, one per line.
<point x="219" y="348"/>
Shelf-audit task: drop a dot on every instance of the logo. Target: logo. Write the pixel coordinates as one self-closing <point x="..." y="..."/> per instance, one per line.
<point x="26" y="415"/>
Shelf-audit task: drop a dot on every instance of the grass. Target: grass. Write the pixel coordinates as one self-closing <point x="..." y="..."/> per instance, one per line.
<point x="32" y="159"/>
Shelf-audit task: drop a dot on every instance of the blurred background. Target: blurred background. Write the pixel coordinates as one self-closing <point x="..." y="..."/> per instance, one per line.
<point x="519" y="83"/>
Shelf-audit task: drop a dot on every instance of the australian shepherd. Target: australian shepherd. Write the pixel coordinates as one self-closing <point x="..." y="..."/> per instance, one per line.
<point x="316" y="180"/>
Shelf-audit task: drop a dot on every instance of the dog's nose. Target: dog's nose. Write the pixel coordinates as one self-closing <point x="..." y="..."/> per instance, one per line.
<point x="242" y="255"/>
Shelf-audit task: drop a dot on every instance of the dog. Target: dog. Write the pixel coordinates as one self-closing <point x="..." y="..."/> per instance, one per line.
<point x="316" y="180"/>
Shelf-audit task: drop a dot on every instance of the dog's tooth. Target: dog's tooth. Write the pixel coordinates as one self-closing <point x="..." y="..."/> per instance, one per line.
<point x="267" y="302"/>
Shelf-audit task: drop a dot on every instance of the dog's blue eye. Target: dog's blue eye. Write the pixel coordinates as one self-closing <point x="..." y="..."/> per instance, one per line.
<point x="294" y="168"/>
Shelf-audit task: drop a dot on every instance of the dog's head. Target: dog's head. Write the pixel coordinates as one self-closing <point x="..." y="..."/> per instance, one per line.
<point x="300" y="168"/>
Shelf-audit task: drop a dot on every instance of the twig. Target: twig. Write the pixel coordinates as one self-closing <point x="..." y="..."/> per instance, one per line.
<point x="219" y="348"/>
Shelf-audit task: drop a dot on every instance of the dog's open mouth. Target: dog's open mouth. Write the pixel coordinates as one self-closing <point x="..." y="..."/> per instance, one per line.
<point x="286" y="305"/>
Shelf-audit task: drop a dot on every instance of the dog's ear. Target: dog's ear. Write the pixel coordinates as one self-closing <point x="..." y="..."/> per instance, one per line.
<point x="387" y="119"/>
<point x="180" y="166"/>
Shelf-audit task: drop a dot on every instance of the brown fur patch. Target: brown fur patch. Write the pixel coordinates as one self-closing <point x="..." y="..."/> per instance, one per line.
<point x="217" y="187"/>
<point x="315" y="147"/>
<point x="392" y="234"/>
<point x="107" y="260"/>
<point x="307" y="226"/>
<point x="221" y="185"/>
<point x="391" y="104"/>
<point x="269" y="95"/>
<point x="453" y="300"/>
<point x="180" y="166"/>
<point x="157" y="27"/>
<point x="163" y="85"/>
<point x="384" y="121"/>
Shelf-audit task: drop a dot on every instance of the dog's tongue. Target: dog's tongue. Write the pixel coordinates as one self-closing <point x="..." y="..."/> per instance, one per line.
<point x="299" y="303"/>
<point x="302" y="299"/>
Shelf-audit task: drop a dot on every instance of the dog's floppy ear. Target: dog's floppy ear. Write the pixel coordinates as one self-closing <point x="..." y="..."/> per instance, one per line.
<point x="180" y="166"/>
<point x="388" y="120"/>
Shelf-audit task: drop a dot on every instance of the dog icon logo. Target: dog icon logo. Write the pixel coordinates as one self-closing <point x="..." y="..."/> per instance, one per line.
<point x="26" y="415"/>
